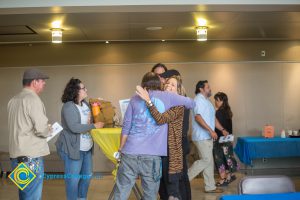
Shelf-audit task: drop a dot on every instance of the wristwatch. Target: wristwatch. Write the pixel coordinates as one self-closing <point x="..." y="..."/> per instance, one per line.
<point x="149" y="103"/>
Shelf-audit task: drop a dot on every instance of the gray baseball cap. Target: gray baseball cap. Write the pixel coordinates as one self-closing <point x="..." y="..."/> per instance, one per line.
<point x="34" y="73"/>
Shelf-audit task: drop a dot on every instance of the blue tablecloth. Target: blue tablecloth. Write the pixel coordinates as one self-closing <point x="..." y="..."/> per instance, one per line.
<point x="285" y="196"/>
<point x="249" y="148"/>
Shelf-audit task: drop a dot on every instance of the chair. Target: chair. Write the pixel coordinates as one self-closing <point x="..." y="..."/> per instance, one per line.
<point x="266" y="185"/>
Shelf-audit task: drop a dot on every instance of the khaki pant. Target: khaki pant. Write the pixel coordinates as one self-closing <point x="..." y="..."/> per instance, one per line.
<point x="205" y="164"/>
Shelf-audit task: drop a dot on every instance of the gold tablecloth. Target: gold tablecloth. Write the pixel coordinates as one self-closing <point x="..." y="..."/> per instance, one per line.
<point x="108" y="140"/>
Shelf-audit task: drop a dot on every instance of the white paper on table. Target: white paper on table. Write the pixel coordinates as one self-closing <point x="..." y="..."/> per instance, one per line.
<point x="123" y="106"/>
<point x="228" y="138"/>
<point x="56" y="129"/>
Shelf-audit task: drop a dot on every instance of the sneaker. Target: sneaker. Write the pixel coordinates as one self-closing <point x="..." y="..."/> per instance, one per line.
<point x="217" y="190"/>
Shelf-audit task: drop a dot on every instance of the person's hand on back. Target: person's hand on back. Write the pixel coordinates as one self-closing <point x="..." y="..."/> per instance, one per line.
<point x="143" y="93"/>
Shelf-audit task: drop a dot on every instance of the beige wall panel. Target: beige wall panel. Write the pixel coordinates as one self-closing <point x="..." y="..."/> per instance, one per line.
<point x="291" y="96"/>
<point x="259" y="92"/>
<point x="18" y="55"/>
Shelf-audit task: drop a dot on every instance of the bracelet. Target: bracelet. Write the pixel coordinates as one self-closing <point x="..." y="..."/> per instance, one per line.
<point x="149" y="103"/>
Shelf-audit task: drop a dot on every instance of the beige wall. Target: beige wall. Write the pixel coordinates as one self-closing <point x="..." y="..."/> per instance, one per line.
<point x="48" y="54"/>
<point x="259" y="92"/>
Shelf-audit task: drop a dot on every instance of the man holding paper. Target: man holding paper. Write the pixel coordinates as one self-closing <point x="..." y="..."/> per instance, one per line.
<point x="28" y="130"/>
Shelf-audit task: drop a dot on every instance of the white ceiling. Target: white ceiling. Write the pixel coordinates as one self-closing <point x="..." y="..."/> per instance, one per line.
<point x="267" y="24"/>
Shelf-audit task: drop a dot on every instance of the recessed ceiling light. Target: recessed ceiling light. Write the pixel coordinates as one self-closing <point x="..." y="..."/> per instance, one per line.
<point x="57" y="34"/>
<point x="154" y="28"/>
<point x="202" y="22"/>
<point x="163" y="40"/>
<point x="201" y="33"/>
<point x="106" y="42"/>
<point x="56" y="24"/>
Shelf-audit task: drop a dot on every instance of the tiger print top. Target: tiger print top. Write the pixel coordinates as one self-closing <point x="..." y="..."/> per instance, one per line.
<point x="174" y="118"/>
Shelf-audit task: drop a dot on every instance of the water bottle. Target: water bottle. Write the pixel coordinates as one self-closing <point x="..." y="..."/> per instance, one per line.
<point x="282" y="134"/>
<point x="117" y="156"/>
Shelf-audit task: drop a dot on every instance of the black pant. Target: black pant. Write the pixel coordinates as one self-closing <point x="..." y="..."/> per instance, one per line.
<point x="184" y="182"/>
<point x="180" y="189"/>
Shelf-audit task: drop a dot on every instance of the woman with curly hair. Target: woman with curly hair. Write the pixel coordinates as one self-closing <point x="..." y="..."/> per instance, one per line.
<point x="75" y="144"/>
<point x="223" y="152"/>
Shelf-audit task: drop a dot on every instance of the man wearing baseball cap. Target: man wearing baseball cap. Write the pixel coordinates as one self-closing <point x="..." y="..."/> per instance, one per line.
<point x="28" y="130"/>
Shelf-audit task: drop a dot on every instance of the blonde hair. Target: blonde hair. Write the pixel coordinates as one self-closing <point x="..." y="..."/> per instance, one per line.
<point x="180" y="88"/>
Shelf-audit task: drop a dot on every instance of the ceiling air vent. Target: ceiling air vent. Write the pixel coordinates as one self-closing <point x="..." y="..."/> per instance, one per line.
<point x="16" y="30"/>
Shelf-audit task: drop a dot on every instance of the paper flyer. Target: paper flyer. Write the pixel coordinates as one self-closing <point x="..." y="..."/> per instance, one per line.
<point x="123" y="106"/>
<point x="56" y="128"/>
<point x="228" y="138"/>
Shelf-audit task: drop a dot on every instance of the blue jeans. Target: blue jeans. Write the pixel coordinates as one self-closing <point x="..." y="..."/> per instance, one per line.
<point x="34" y="189"/>
<point x="131" y="166"/>
<point x="78" y="174"/>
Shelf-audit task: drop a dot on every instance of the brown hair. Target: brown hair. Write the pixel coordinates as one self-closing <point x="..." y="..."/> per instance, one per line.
<point x="221" y="96"/>
<point x="180" y="88"/>
<point x="71" y="91"/>
<point x="159" y="65"/>
<point x="151" y="81"/>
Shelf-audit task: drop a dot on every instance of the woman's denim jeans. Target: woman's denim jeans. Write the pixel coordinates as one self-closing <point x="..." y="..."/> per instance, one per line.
<point x="78" y="174"/>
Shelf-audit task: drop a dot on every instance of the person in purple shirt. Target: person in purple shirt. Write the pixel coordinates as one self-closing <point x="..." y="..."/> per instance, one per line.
<point x="143" y="141"/>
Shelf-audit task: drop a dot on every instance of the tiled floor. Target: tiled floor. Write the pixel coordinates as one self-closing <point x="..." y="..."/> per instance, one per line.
<point x="101" y="188"/>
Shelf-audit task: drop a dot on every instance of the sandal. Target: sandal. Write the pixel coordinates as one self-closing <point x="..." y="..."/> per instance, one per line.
<point x="217" y="190"/>
<point x="224" y="183"/>
<point x="232" y="178"/>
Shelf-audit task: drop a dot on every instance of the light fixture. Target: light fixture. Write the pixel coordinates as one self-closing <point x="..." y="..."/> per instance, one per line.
<point x="154" y="28"/>
<point x="56" y="31"/>
<point x="107" y="42"/>
<point x="56" y="24"/>
<point x="202" y="22"/>
<point x="163" y="40"/>
<point x="56" y="35"/>
<point x="201" y="33"/>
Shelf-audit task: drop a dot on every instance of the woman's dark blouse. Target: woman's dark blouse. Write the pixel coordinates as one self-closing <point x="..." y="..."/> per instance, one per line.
<point x="224" y="120"/>
<point x="185" y="130"/>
